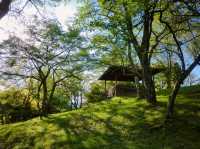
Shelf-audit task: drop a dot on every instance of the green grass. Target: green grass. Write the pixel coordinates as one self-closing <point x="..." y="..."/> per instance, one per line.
<point x="122" y="123"/>
<point x="190" y="91"/>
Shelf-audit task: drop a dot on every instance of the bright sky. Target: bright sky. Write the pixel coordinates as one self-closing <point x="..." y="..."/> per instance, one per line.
<point x="13" y="24"/>
<point x="64" y="13"/>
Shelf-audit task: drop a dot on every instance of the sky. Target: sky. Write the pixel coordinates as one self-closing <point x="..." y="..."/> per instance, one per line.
<point x="12" y="23"/>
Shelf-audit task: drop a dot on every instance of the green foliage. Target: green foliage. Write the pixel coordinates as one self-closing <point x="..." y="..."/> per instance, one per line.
<point x="97" y="93"/>
<point x="187" y="91"/>
<point x="108" y="41"/>
<point x="16" y="105"/>
<point x="59" y="103"/>
<point x="49" y="55"/>
<point x="122" y="122"/>
<point x="22" y="104"/>
<point x="167" y="78"/>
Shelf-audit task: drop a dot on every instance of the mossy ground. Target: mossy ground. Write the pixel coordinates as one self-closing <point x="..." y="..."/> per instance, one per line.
<point x="124" y="123"/>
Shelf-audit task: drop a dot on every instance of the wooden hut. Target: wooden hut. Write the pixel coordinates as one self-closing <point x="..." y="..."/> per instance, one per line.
<point x="124" y="73"/>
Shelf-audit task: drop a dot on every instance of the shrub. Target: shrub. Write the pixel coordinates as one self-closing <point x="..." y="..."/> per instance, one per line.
<point x="16" y="105"/>
<point x="97" y="93"/>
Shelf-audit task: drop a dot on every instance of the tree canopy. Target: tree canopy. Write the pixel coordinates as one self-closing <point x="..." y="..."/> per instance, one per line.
<point x="139" y="35"/>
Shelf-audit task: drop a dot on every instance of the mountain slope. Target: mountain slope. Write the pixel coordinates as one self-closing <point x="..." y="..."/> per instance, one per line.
<point x="124" y="123"/>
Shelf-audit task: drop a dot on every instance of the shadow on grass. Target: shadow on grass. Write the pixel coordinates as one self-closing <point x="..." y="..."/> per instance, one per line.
<point x="113" y="125"/>
<point x="130" y="127"/>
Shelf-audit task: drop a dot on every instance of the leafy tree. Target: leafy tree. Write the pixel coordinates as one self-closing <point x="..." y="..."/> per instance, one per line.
<point x="136" y="24"/>
<point x="48" y="55"/>
<point x="149" y="27"/>
<point x="16" y="105"/>
<point x="6" y="5"/>
<point x="97" y="93"/>
<point x="180" y="21"/>
<point x="73" y="89"/>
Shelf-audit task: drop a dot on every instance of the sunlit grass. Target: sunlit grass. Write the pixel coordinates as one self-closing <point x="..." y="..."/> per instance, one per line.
<point x="118" y="123"/>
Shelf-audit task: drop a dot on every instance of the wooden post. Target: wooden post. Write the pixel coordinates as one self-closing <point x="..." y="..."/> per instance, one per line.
<point x="137" y="86"/>
<point x="105" y="87"/>
<point x="115" y="87"/>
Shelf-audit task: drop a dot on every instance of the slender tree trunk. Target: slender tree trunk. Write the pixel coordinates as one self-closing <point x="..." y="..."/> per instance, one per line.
<point x="172" y="98"/>
<point x="38" y="99"/>
<point x="50" y="98"/>
<point x="137" y="87"/>
<point x="71" y="101"/>
<point x="52" y="91"/>
<point x="168" y="80"/>
<point x="169" y="71"/>
<point x="181" y="79"/>
<point x="81" y="98"/>
<point x="4" y="7"/>
<point x="45" y="98"/>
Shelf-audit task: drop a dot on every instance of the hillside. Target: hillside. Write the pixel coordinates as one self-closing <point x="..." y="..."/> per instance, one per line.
<point x="124" y="123"/>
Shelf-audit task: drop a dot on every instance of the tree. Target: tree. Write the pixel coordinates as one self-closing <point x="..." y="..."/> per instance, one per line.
<point x="137" y="24"/>
<point x="96" y="93"/>
<point x="146" y="28"/>
<point x="48" y="55"/>
<point x="180" y="22"/>
<point x="17" y="104"/>
<point x="73" y="89"/>
<point x="5" y="5"/>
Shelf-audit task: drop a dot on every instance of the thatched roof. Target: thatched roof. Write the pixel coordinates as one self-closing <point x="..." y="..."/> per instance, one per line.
<point x="125" y="73"/>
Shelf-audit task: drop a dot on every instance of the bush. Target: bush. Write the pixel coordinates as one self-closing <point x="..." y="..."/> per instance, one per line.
<point x="96" y="94"/>
<point x="59" y="103"/>
<point x="16" y="105"/>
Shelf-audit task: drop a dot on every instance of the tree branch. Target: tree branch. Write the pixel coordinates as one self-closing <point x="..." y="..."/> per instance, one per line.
<point x="4" y="7"/>
<point x="175" y="39"/>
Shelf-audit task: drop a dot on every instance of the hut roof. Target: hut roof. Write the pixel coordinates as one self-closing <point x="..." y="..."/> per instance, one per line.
<point x="125" y="73"/>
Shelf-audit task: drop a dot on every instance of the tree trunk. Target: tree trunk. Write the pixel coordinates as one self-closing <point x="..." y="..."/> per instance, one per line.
<point x="168" y="73"/>
<point x="174" y="93"/>
<point x="149" y="89"/>
<point x="52" y="91"/>
<point x="45" y="98"/>
<point x="137" y="85"/>
<point x="71" y="103"/>
<point x="4" y="7"/>
<point x="38" y="98"/>
<point x="149" y="85"/>
<point x="50" y="98"/>
<point x="81" y="102"/>
<point x="172" y="97"/>
<point x="143" y="51"/>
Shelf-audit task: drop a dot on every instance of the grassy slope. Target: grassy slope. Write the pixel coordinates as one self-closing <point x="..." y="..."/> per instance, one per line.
<point x="120" y="123"/>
